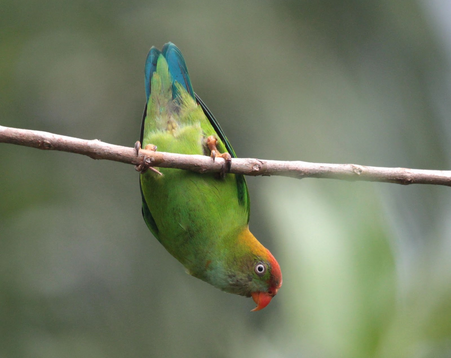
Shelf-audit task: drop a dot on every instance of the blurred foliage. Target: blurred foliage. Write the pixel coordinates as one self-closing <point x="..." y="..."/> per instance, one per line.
<point x="367" y="268"/>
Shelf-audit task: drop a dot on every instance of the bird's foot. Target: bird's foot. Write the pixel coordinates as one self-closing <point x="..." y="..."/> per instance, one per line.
<point x="145" y="165"/>
<point x="214" y="153"/>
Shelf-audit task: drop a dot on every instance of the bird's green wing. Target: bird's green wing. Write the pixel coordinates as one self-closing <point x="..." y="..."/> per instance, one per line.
<point x="243" y="194"/>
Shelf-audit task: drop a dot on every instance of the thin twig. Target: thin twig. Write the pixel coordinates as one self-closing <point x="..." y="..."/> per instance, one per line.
<point x="204" y="164"/>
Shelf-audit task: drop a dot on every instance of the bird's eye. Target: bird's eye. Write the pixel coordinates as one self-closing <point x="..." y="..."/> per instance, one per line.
<point x="260" y="269"/>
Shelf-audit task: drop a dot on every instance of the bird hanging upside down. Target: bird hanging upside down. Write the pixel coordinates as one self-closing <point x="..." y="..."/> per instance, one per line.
<point x="201" y="219"/>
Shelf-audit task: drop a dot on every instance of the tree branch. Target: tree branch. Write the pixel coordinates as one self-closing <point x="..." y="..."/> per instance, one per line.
<point x="204" y="164"/>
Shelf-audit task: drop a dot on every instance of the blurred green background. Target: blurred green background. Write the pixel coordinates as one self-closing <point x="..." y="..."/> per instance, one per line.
<point x="367" y="267"/>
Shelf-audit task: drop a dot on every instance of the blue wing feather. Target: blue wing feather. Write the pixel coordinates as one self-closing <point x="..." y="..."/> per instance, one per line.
<point x="149" y="69"/>
<point x="177" y="68"/>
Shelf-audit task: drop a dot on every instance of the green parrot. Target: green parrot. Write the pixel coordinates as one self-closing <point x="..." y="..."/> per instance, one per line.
<point x="201" y="219"/>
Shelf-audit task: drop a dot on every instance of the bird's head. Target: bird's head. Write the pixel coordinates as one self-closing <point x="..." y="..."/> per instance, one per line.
<point x="247" y="269"/>
<point x="268" y="270"/>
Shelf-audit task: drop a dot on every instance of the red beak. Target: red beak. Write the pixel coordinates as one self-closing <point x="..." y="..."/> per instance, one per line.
<point x="262" y="299"/>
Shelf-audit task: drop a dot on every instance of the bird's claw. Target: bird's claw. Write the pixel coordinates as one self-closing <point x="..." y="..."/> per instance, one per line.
<point x="146" y="163"/>
<point x="214" y="153"/>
